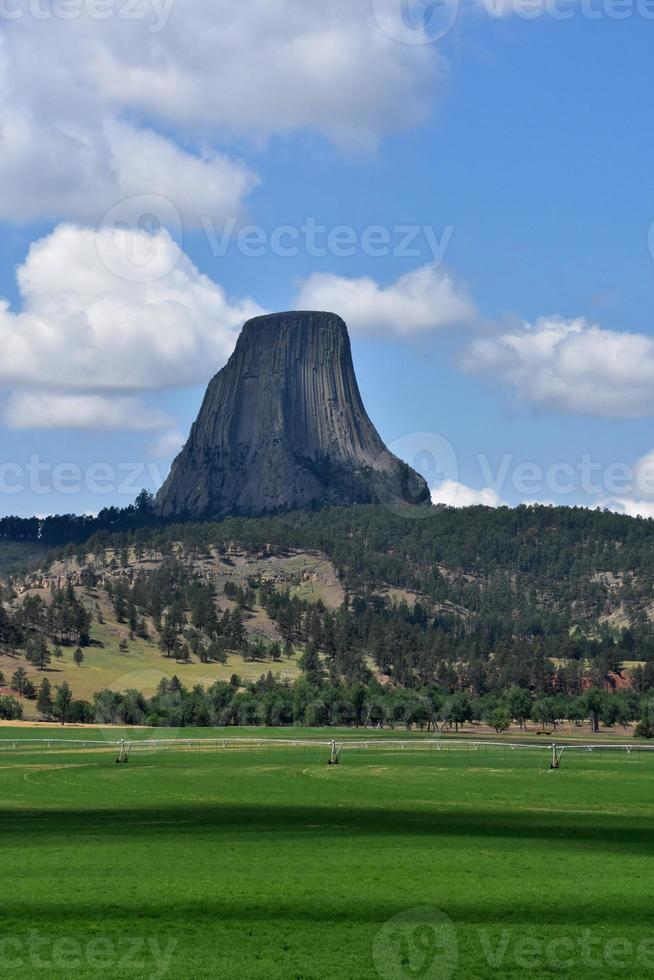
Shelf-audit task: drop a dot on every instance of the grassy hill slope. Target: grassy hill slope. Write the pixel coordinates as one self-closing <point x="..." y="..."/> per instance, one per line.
<point x="475" y="600"/>
<point x="307" y="575"/>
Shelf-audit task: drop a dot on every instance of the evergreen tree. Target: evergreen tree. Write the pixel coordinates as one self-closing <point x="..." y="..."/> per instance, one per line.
<point x="44" y="701"/>
<point x="19" y="680"/>
<point x="62" y="703"/>
<point x="39" y="654"/>
<point x="311" y="665"/>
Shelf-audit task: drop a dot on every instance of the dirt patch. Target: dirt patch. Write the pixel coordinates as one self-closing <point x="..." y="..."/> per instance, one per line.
<point x="51" y="726"/>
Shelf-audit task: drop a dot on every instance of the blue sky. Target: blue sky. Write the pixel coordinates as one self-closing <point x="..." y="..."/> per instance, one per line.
<point x="522" y="145"/>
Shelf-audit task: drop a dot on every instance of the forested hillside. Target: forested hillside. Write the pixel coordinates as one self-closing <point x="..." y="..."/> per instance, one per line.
<point x="571" y="583"/>
<point x="549" y="600"/>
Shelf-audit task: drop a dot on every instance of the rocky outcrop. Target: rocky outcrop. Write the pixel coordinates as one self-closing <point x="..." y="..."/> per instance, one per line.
<point x="283" y="427"/>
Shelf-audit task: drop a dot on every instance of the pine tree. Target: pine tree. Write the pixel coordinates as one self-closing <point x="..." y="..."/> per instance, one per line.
<point x="18" y="681"/>
<point x="62" y="702"/>
<point x="29" y="691"/>
<point x="236" y="630"/>
<point x="44" y="702"/>
<point x="310" y="664"/>
<point x="275" y="652"/>
<point x="39" y="653"/>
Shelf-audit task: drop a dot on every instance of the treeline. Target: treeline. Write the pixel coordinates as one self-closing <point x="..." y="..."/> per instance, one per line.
<point x="61" y="530"/>
<point x="270" y="702"/>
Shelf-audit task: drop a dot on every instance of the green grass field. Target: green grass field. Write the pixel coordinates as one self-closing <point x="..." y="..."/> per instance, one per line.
<point x="268" y="863"/>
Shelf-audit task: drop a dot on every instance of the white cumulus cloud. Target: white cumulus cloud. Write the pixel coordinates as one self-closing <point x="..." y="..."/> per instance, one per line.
<point x="636" y="498"/>
<point x="52" y="410"/>
<point x="421" y="300"/>
<point x="264" y="67"/>
<point x="631" y="507"/>
<point x="81" y="170"/>
<point x="571" y="366"/>
<point x="455" y="494"/>
<point x="84" y="323"/>
<point x="149" y="97"/>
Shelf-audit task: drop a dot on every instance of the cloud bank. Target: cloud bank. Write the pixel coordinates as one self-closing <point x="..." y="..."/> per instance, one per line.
<point x="149" y="97"/>
<point x="85" y="325"/>
<point x="420" y="301"/>
<point x="105" y="312"/>
<point x="571" y="366"/>
<point x="454" y="494"/>
<point x="51" y="410"/>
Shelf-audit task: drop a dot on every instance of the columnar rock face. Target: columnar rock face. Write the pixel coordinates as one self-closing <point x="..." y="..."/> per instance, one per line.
<point x="282" y="427"/>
